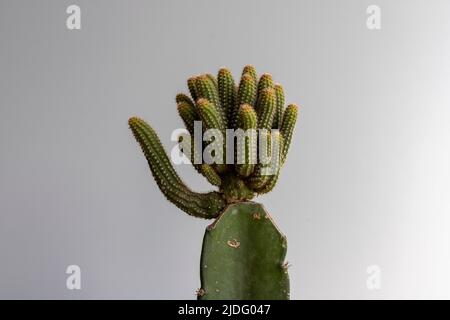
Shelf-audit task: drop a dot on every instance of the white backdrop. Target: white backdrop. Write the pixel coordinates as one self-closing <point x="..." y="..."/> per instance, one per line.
<point x="366" y="182"/>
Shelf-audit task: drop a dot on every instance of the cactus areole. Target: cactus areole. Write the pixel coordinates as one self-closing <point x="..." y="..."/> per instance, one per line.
<point x="243" y="251"/>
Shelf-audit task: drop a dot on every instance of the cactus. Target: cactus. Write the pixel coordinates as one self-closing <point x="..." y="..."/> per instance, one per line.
<point x="243" y="251"/>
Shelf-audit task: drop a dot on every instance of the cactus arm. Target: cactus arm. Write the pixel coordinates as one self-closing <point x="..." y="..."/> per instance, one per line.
<point x="208" y="172"/>
<point x="247" y="119"/>
<point x="246" y="95"/>
<point x="193" y="88"/>
<point x="273" y="179"/>
<point x="207" y="89"/>
<point x="249" y="69"/>
<point x="247" y="90"/>
<point x="204" y="169"/>
<point x="202" y="205"/>
<point x="212" y="120"/>
<point x="186" y="145"/>
<point x="181" y="97"/>
<point x="188" y="114"/>
<point x="210" y="115"/>
<point x="227" y="92"/>
<point x="279" y="94"/>
<point x="260" y="178"/>
<point x="213" y="80"/>
<point x="266" y="108"/>
<point x="287" y="128"/>
<point x="265" y="81"/>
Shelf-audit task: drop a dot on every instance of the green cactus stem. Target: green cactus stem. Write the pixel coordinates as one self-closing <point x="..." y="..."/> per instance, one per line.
<point x="192" y="154"/>
<point x="210" y="174"/>
<point x="270" y="181"/>
<point x="247" y="119"/>
<point x="265" y="81"/>
<point x="287" y="128"/>
<point x="279" y="94"/>
<point x="243" y="256"/>
<point x="249" y="69"/>
<point x="263" y="171"/>
<point x="246" y="95"/>
<point x="188" y="114"/>
<point x="206" y="88"/>
<point x="266" y="108"/>
<point x="191" y="83"/>
<point x="212" y="119"/>
<point x="181" y="97"/>
<point x="210" y="115"/>
<point x="227" y="92"/>
<point x="213" y="80"/>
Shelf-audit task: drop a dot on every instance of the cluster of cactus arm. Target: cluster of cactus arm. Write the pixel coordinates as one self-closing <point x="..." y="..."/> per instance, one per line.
<point x="221" y="104"/>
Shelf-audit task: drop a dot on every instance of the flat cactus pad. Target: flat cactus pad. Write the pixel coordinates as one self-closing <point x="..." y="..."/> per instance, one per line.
<point x="243" y="256"/>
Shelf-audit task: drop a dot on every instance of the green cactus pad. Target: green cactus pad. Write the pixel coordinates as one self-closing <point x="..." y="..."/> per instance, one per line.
<point x="243" y="256"/>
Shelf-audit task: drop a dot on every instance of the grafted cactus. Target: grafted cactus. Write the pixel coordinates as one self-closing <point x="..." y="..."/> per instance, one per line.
<point x="254" y="108"/>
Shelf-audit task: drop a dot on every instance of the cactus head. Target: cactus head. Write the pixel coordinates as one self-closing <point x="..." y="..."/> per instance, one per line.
<point x="221" y="104"/>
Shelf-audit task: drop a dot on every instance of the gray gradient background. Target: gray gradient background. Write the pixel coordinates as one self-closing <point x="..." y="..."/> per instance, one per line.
<point x="367" y="180"/>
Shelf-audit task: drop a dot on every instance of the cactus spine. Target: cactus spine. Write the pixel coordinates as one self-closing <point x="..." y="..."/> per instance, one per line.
<point x="251" y="105"/>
